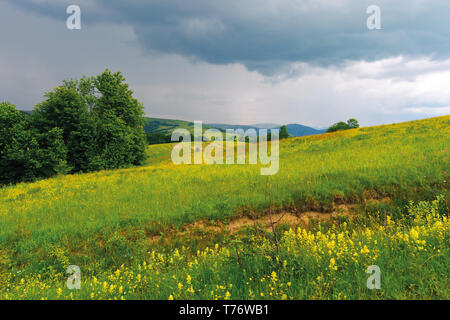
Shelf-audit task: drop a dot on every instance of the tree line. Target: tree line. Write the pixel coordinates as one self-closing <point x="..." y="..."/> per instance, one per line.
<point x="83" y="125"/>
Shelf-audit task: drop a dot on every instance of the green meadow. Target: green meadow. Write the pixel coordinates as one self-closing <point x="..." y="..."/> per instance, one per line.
<point x="168" y="223"/>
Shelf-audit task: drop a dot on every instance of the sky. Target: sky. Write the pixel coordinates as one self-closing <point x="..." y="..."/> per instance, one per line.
<point x="313" y="62"/>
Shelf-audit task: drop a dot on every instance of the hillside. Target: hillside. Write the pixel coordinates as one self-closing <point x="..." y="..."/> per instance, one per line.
<point x="102" y="221"/>
<point x="166" y="127"/>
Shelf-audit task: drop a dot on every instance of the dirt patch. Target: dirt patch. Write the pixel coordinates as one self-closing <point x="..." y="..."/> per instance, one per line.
<point x="269" y="220"/>
<point x="207" y="229"/>
<point x="371" y="202"/>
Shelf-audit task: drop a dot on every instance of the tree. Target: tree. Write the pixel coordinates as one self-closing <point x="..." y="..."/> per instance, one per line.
<point x="66" y="108"/>
<point x="351" y="124"/>
<point x="338" y="126"/>
<point x="25" y="154"/>
<point x="284" y="132"/>
<point x="102" y="123"/>
<point x="121" y="139"/>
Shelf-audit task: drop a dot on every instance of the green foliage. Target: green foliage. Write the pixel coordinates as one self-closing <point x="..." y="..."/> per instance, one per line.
<point x="284" y="132"/>
<point x="158" y="138"/>
<point x="66" y="109"/>
<point x="101" y="121"/>
<point x="83" y="125"/>
<point x="26" y="154"/>
<point x="351" y="124"/>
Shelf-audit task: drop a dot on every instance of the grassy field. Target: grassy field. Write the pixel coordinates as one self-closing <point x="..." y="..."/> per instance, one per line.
<point x="163" y="214"/>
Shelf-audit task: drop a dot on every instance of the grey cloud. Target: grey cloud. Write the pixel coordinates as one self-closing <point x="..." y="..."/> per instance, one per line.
<point x="264" y="35"/>
<point x="37" y="52"/>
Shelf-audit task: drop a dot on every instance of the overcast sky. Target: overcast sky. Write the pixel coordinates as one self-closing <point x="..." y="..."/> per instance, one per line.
<point x="312" y="62"/>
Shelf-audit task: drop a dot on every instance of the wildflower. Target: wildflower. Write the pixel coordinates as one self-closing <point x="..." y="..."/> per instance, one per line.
<point x="332" y="265"/>
<point x="414" y="234"/>
<point x="274" y="277"/>
<point x="365" y="250"/>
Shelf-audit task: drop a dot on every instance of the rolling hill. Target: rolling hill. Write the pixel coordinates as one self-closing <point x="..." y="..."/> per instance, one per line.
<point x="166" y="231"/>
<point x="166" y="126"/>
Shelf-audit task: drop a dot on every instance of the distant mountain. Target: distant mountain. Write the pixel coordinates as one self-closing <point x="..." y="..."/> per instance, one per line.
<point x="266" y="125"/>
<point x="295" y="130"/>
<point x="298" y="130"/>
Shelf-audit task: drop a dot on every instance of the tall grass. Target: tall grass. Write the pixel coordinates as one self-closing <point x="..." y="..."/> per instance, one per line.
<point x="412" y="255"/>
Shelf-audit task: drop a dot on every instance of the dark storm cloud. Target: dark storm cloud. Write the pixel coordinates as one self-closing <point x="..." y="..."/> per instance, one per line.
<point x="264" y="35"/>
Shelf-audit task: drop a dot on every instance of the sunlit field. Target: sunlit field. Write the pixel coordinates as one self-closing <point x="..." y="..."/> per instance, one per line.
<point x="162" y="231"/>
